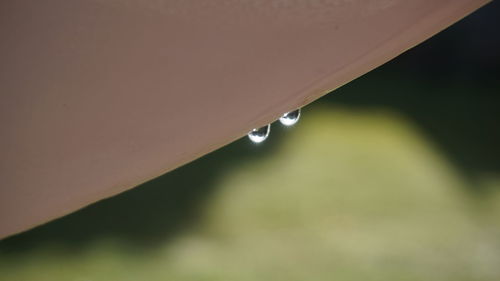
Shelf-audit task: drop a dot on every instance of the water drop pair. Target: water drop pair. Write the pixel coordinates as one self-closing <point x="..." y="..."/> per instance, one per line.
<point x="260" y="134"/>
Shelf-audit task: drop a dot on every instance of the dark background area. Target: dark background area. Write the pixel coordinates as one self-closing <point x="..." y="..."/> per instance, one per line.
<point x="449" y="86"/>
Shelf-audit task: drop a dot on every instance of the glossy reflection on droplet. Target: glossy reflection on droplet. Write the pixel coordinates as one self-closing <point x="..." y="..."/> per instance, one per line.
<point x="259" y="135"/>
<point x="290" y="118"/>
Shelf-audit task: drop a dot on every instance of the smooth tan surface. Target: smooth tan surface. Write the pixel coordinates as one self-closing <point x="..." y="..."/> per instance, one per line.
<point x="100" y="96"/>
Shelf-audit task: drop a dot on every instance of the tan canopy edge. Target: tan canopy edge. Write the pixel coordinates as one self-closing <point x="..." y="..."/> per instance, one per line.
<point x="98" y="96"/>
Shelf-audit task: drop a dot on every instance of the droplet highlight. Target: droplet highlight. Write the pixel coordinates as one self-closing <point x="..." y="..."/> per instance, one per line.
<point x="260" y="134"/>
<point x="290" y="118"/>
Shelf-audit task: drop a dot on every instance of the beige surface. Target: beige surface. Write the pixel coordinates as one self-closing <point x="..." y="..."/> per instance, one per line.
<point x="100" y="96"/>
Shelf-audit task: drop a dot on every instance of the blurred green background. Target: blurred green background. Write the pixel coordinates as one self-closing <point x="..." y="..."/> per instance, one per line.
<point x="395" y="176"/>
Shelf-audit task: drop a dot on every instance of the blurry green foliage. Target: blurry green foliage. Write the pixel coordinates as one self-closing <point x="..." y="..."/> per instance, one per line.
<point x="347" y="195"/>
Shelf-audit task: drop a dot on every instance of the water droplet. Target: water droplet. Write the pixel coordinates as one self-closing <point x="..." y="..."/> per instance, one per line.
<point x="260" y="134"/>
<point x="290" y="118"/>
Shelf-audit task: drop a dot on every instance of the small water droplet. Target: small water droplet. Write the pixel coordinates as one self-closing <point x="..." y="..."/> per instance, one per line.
<point x="290" y="118"/>
<point x="260" y="134"/>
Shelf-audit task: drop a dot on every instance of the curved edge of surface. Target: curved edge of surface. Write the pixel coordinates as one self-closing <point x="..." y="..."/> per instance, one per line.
<point x="324" y="82"/>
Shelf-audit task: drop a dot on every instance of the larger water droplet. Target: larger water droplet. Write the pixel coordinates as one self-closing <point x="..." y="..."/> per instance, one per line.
<point x="290" y="118"/>
<point x="260" y="134"/>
